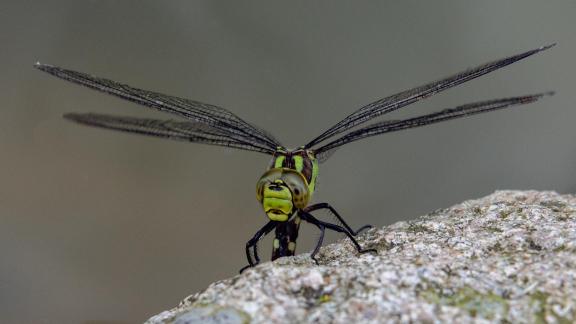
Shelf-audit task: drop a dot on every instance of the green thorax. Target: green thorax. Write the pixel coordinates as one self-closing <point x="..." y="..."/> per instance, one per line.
<point x="300" y="160"/>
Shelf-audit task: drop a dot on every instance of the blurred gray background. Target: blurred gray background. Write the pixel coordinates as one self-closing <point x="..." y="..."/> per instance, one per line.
<point x="103" y="227"/>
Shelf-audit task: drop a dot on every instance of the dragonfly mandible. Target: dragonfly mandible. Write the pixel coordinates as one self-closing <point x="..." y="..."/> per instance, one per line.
<point x="286" y="188"/>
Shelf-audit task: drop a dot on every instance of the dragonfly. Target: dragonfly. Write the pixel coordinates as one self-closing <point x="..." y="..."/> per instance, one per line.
<point x="286" y="188"/>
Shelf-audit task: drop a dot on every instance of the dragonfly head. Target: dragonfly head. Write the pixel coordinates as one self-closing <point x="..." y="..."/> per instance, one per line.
<point x="282" y="191"/>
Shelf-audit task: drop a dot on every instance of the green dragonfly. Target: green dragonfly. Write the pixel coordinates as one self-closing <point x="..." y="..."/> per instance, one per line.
<point x="286" y="188"/>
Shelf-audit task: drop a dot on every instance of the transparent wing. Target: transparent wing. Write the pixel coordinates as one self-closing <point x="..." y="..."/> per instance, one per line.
<point x="407" y="97"/>
<point x="196" y="132"/>
<point x="198" y="112"/>
<point x="446" y="114"/>
<point x="324" y="155"/>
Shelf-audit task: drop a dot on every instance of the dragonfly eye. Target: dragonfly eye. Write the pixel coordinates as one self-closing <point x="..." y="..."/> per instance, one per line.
<point x="266" y="180"/>
<point x="298" y="186"/>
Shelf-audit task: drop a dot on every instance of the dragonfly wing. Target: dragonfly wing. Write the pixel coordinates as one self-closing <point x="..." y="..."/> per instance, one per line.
<point x="443" y="115"/>
<point x="196" y="132"/>
<point x="408" y="97"/>
<point x="324" y="154"/>
<point x="214" y="116"/>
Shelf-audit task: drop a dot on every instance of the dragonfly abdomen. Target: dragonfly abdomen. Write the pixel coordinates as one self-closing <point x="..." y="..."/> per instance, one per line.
<point x="286" y="234"/>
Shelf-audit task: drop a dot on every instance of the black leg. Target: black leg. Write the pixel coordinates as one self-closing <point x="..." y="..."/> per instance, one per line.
<point x="335" y="213"/>
<point x="311" y="219"/>
<point x="319" y="243"/>
<point x="253" y="243"/>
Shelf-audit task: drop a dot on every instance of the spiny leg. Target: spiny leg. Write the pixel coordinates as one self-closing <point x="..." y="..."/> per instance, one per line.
<point x="319" y="243"/>
<point x="313" y="220"/>
<point x="335" y="213"/>
<point x="253" y="243"/>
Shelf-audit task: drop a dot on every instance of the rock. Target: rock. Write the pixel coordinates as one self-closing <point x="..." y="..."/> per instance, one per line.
<point x="508" y="257"/>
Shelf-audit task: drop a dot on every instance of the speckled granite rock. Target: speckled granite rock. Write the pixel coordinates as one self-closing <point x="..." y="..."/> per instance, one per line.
<point x="508" y="257"/>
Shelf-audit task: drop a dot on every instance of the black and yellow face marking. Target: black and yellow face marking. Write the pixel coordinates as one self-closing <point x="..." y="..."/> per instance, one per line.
<point x="282" y="191"/>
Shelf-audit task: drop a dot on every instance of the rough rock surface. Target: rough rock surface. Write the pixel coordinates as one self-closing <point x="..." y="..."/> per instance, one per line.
<point x="508" y="257"/>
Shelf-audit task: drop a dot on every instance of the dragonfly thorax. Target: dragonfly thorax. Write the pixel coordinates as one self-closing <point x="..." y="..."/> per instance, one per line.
<point x="300" y="160"/>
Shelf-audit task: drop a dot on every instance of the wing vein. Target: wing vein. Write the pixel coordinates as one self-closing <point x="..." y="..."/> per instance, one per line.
<point x="196" y="132"/>
<point x="214" y="116"/>
<point x="443" y="115"/>
<point x="402" y="99"/>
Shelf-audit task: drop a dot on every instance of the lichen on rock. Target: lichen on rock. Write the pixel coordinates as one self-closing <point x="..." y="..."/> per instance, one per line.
<point x="508" y="257"/>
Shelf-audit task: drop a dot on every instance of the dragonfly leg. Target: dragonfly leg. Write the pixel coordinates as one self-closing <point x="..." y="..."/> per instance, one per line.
<point x="319" y="243"/>
<point x="335" y="213"/>
<point x="253" y="244"/>
<point x="337" y="228"/>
